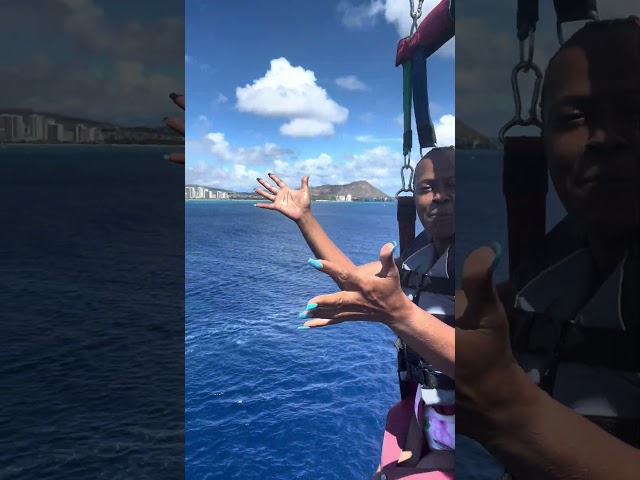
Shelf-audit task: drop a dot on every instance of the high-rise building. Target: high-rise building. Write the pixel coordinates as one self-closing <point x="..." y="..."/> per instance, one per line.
<point x="13" y="127"/>
<point x="36" y="127"/>
<point x="55" y="131"/>
<point x="80" y="134"/>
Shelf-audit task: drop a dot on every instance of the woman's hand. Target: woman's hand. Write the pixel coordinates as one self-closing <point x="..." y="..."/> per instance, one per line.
<point x="488" y="379"/>
<point x="177" y="125"/>
<point x="371" y="292"/>
<point x="293" y="204"/>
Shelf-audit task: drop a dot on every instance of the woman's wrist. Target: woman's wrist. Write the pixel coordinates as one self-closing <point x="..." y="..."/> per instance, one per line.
<point x="305" y="218"/>
<point x="401" y="313"/>
<point x="509" y="409"/>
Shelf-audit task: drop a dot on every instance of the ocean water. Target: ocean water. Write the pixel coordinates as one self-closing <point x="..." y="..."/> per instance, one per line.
<point x="265" y="400"/>
<point x="91" y="314"/>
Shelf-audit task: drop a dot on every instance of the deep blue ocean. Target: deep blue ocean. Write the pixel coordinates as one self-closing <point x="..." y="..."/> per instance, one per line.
<point x="91" y="314"/>
<point x="265" y="400"/>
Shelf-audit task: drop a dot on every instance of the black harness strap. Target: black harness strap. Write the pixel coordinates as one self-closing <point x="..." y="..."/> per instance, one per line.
<point x="424" y="282"/>
<point x="625" y="429"/>
<point x="411" y="367"/>
<point x="575" y="10"/>
<point x="525" y="184"/>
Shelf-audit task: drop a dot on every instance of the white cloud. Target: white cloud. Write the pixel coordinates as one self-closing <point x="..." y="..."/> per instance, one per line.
<point x="292" y="93"/>
<point x="307" y="127"/>
<point x="187" y="59"/>
<point x="216" y="144"/>
<point x="120" y="70"/>
<point x="352" y="83"/>
<point x="360" y="16"/>
<point x="214" y="161"/>
<point x="374" y="139"/>
<point x="445" y="129"/>
<point x="221" y="98"/>
<point x="237" y="167"/>
<point x="395" y="12"/>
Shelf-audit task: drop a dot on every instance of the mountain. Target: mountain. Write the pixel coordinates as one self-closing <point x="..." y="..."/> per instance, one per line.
<point x="360" y="190"/>
<point x="470" y="139"/>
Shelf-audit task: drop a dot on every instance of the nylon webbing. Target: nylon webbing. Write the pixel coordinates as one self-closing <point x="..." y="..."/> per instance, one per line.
<point x="575" y="10"/>
<point x="424" y="124"/>
<point x="406" y="107"/>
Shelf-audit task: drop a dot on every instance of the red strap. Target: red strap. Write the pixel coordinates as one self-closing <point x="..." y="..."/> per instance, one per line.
<point x="435" y="30"/>
<point x="525" y="185"/>
<point x="406" y="221"/>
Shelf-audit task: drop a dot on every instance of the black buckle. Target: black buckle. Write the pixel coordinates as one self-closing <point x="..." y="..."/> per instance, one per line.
<point x="424" y="282"/>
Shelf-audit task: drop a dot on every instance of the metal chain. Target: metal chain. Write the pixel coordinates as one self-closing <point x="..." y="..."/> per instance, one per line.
<point x="407" y="184"/>
<point x="532" y="41"/>
<point x="405" y="167"/>
<point x="415" y="15"/>
<point x="524" y="65"/>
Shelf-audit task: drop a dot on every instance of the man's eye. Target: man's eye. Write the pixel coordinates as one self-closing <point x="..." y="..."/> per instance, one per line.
<point x="425" y="189"/>
<point x="571" y="119"/>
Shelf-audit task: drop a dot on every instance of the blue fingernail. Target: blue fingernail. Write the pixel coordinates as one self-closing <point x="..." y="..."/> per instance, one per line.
<point x="497" y="250"/>
<point x="304" y="315"/>
<point x="315" y="263"/>
<point x="302" y="327"/>
<point x="311" y="306"/>
<point x="395" y="245"/>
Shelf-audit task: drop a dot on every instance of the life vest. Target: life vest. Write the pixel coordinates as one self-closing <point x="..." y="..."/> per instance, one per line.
<point x="431" y="286"/>
<point x="579" y="341"/>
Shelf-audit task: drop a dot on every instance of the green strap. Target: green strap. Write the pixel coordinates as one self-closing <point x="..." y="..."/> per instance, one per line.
<point x="406" y="105"/>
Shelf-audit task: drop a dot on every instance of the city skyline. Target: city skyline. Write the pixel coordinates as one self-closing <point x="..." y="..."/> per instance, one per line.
<point x="23" y="126"/>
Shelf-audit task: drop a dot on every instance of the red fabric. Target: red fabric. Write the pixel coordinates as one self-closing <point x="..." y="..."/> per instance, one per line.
<point x="435" y="30"/>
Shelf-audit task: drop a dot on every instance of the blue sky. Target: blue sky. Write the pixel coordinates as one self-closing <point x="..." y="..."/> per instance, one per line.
<point x="110" y="60"/>
<point x="333" y="62"/>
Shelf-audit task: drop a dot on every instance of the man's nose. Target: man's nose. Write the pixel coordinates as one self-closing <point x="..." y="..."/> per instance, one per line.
<point x="607" y="132"/>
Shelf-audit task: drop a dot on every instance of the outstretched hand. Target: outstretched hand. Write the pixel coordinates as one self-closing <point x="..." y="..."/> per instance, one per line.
<point x="487" y="375"/>
<point x="176" y="125"/>
<point x="370" y="292"/>
<point x="293" y="204"/>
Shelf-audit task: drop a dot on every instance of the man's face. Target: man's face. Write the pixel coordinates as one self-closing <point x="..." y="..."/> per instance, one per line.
<point x="592" y="134"/>
<point x="435" y="193"/>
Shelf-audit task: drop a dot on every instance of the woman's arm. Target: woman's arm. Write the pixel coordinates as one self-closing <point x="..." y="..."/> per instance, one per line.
<point x="430" y="338"/>
<point x="536" y="437"/>
<point x="320" y="243"/>
<point x="296" y="205"/>
<point x="532" y="434"/>
<point x="372" y="292"/>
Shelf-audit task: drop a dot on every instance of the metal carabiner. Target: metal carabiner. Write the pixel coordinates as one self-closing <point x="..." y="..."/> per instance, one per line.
<point x="517" y="119"/>
<point x="406" y="166"/>
<point x="529" y="60"/>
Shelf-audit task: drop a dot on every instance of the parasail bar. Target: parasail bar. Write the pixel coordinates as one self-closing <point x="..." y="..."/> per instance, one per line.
<point x="436" y="29"/>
